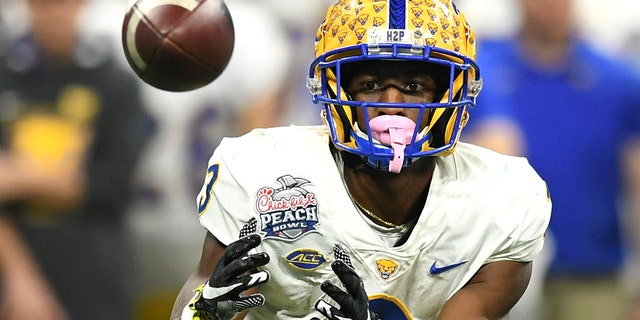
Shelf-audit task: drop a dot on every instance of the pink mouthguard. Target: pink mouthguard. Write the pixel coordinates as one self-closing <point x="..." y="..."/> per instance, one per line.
<point x="396" y="132"/>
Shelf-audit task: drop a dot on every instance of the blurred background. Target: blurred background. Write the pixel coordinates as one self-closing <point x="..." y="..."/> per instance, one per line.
<point x="264" y="85"/>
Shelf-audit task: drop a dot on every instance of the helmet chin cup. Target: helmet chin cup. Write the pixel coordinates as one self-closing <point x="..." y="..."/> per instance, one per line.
<point x="396" y="132"/>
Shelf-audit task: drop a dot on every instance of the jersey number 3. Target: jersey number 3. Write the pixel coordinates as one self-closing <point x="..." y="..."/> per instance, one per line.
<point x="205" y="194"/>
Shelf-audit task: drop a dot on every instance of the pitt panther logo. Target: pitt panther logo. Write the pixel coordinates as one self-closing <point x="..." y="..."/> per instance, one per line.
<point x="444" y="24"/>
<point x="455" y="32"/>
<point x="352" y="24"/>
<point x="456" y="21"/>
<point x="432" y="15"/>
<point x="445" y="37"/>
<point x="287" y="212"/>
<point x="416" y="3"/>
<point x="344" y="19"/>
<point x="378" y="7"/>
<point x="456" y="46"/>
<point x="362" y="19"/>
<point x="417" y="23"/>
<point x="386" y="267"/>
<point x="417" y="12"/>
<point x="342" y="36"/>
<point x="360" y="32"/>
<point x="334" y="30"/>
<point x="433" y="28"/>
<point x="335" y="12"/>
<point x="377" y="21"/>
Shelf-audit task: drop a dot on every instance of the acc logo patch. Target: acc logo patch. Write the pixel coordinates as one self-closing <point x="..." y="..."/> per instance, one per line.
<point x="287" y="212"/>
<point x="386" y="267"/>
<point x="306" y="259"/>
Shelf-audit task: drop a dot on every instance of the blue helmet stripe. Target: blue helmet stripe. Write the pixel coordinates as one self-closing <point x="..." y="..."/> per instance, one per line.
<point x="397" y="14"/>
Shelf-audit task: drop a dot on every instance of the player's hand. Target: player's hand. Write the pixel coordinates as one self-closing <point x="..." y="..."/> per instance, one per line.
<point x="354" y="302"/>
<point x="233" y="274"/>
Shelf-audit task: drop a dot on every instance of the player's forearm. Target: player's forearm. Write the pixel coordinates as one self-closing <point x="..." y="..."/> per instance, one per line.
<point x="463" y="305"/>
<point x="491" y="292"/>
<point x="186" y="295"/>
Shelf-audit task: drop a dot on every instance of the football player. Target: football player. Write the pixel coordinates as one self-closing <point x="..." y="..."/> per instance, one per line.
<point x="380" y="213"/>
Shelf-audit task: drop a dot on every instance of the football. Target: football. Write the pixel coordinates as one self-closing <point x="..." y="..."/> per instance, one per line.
<point x="178" y="45"/>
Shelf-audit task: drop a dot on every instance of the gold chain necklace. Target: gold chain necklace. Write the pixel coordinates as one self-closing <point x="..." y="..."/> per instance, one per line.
<point x="374" y="216"/>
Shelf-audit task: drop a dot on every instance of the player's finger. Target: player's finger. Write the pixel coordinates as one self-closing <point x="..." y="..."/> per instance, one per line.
<point x="233" y="286"/>
<point x="326" y="309"/>
<point x="240" y="247"/>
<point x="232" y="290"/>
<point x="240" y="266"/>
<point x="343" y="298"/>
<point x="348" y="277"/>
<point x="250" y="301"/>
<point x="254" y="279"/>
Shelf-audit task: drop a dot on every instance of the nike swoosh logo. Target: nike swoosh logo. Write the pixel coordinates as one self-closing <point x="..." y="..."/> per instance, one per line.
<point x="438" y="270"/>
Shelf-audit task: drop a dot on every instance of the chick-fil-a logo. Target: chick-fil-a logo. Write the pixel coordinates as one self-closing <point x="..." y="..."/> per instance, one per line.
<point x="266" y="203"/>
<point x="287" y="212"/>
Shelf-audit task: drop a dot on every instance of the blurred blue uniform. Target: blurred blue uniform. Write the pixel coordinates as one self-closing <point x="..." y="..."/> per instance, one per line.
<point x="574" y="121"/>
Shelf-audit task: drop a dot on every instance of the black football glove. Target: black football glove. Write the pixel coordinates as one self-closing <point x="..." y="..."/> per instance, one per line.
<point x="354" y="303"/>
<point x="221" y="294"/>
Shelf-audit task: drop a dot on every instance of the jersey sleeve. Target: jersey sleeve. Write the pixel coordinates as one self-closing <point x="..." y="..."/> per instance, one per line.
<point x="525" y="222"/>
<point x="223" y="204"/>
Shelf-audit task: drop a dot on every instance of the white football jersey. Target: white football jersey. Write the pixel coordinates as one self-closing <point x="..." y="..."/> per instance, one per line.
<point x="283" y="184"/>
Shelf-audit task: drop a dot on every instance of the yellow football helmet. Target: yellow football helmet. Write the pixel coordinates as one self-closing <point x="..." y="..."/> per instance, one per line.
<point x="430" y="31"/>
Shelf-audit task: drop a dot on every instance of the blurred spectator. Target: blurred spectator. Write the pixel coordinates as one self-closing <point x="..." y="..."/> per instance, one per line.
<point x="575" y="113"/>
<point x="300" y="20"/>
<point x="22" y="280"/>
<point x="71" y="129"/>
<point x="20" y="277"/>
<point x="189" y="125"/>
